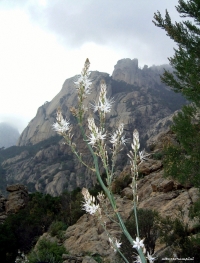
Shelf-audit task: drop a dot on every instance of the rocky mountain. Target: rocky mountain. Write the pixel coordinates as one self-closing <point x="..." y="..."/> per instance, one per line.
<point x="87" y="238"/>
<point x="43" y="163"/>
<point x="8" y="135"/>
<point x="138" y="95"/>
<point x="86" y="241"/>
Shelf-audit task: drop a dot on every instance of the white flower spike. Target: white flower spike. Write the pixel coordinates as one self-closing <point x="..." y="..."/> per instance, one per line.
<point x="150" y="258"/>
<point x="143" y="156"/>
<point x="89" y="203"/>
<point x="138" y="243"/>
<point x="62" y="125"/>
<point x="104" y="104"/>
<point x="138" y="260"/>
<point x="136" y="143"/>
<point x="95" y="135"/>
<point x="115" y="244"/>
<point x="83" y="81"/>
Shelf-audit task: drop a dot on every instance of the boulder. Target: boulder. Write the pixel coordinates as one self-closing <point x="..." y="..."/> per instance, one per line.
<point x="17" y="199"/>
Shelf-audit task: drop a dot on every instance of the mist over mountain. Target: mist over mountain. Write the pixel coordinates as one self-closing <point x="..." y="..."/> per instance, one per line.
<point x="8" y="135"/>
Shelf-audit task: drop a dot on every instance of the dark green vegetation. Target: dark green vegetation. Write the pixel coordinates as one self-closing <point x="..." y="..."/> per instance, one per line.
<point x="182" y="160"/>
<point x="185" y="62"/>
<point x="177" y="235"/>
<point x="148" y="221"/>
<point x="21" y="230"/>
<point x="47" y="251"/>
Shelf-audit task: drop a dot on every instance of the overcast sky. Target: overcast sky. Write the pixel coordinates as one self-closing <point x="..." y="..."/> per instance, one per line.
<point x="44" y="42"/>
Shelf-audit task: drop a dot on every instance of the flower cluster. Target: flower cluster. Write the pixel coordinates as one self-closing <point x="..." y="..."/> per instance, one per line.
<point x="21" y="258"/>
<point x="150" y="258"/>
<point x="104" y="104"/>
<point x="133" y="154"/>
<point x="96" y="135"/>
<point x="61" y="126"/>
<point x="117" y="138"/>
<point x="143" y="156"/>
<point x="138" y="243"/>
<point x="137" y="260"/>
<point x="136" y="142"/>
<point x="89" y="203"/>
<point x="114" y="244"/>
<point x="83" y="84"/>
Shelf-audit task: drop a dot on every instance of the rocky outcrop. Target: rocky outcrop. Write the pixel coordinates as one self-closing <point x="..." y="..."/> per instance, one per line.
<point x="3" y="215"/>
<point x="16" y="200"/>
<point x="127" y="70"/>
<point x="88" y="237"/>
<point x="50" y="170"/>
<point x="15" y="159"/>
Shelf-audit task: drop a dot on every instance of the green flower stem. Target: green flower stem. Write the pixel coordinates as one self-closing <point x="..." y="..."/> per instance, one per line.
<point x="135" y="201"/>
<point x="122" y="255"/>
<point x="118" y="250"/>
<point x="105" y="164"/>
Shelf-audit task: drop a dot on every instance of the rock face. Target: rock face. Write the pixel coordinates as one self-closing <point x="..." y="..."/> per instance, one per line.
<point x="49" y="169"/>
<point x="8" y="135"/>
<point x="127" y="70"/>
<point x="87" y="236"/>
<point x="17" y="199"/>
<point x="154" y="192"/>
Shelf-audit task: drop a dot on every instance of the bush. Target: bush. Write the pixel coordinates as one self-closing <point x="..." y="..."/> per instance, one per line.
<point x="175" y="234"/>
<point x="120" y="183"/>
<point x="147" y="222"/>
<point x="48" y="252"/>
<point x="57" y="228"/>
<point x="157" y="156"/>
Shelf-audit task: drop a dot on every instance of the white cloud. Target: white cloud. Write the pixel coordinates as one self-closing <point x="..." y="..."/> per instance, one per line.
<point x="44" y="42"/>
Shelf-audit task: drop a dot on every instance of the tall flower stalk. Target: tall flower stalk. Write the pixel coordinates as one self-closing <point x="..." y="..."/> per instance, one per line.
<point x="96" y="138"/>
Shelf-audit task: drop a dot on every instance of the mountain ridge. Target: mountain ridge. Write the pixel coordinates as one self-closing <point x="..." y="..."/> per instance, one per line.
<point x="145" y="105"/>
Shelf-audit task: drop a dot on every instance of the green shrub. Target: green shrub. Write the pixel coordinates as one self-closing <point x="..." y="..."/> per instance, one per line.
<point x="147" y="222"/>
<point x="175" y="234"/>
<point x="57" y="228"/>
<point x="121" y="182"/>
<point x="158" y="156"/>
<point x="47" y="251"/>
<point x="97" y="258"/>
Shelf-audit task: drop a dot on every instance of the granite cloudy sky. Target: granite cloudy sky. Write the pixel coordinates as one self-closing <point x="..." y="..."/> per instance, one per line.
<point x="43" y="42"/>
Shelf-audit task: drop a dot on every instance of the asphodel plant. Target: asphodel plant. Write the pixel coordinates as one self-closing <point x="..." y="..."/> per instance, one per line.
<point x="97" y="140"/>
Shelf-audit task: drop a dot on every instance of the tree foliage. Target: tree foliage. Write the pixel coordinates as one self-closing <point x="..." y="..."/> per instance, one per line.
<point x="182" y="161"/>
<point x="186" y="61"/>
<point x="177" y="236"/>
